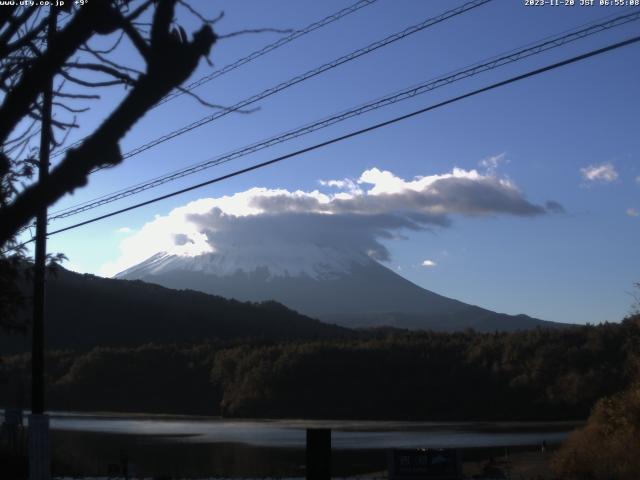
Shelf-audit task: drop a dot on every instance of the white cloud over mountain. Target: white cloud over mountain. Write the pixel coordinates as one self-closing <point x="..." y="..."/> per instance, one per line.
<point x="352" y="216"/>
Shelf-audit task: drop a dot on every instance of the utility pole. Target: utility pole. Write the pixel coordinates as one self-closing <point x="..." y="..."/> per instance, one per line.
<point x="39" y="444"/>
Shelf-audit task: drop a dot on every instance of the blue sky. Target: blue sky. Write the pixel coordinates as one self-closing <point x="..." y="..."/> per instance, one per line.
<point x="570" y="136"/>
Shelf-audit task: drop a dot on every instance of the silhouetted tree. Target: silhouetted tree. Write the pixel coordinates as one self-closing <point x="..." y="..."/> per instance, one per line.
<point x="26" y="64"/>
<point x="77" y="67"/>
<point x="635" y="307"/>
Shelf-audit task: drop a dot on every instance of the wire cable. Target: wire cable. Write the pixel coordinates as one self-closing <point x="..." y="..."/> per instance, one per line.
<point x="305" y="76"/>
<point x="249" y="58"/>
<point x="460" y="74"/>
<point x="493" y="86"/>
<point x="268" y="48"/>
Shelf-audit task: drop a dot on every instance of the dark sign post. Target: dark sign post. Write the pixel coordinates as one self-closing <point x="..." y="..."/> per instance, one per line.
<point x="318" y="454"/>
<point x="423" y="464"/>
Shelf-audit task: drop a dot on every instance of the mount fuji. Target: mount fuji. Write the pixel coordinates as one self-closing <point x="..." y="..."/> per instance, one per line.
<point x="337" y="286"/>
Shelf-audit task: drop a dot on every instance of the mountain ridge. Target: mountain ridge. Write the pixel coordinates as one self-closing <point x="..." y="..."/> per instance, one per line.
<point x="84" y="311"/>
<point x="359" y="292"/>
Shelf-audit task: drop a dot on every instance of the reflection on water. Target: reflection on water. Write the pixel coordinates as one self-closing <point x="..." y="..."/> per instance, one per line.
<point x="346" y="434"/>
<point x="188" y="446"/>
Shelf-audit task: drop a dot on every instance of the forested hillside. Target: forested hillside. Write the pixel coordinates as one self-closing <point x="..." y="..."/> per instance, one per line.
<point x="532" y="375"/>
<point x="85" y="311"/>
<point x="537" y="374"/>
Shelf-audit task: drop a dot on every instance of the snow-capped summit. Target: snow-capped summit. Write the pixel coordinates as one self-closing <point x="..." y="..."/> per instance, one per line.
<point x="333" y="285"/>
<point x="314" y="262"/>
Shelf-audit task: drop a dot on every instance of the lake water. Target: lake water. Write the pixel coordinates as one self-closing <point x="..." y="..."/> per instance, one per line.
<point x="203" y="446"/>
<point x="291" y="433"/>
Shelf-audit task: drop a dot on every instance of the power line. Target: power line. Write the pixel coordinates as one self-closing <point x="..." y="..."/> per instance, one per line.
<point x="269" y="48"/>
<point x="317" y="146"/>
<point x="305" y="76"/>
<point x="252" y="56"/>
<point x="466" y="72"/>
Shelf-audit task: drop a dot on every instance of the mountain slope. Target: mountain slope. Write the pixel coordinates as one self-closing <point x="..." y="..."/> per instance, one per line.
<point x="353" y="291"/>
<point x="84" y="311"/>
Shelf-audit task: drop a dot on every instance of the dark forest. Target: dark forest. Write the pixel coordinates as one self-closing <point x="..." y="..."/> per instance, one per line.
<point x="542" y="374"/>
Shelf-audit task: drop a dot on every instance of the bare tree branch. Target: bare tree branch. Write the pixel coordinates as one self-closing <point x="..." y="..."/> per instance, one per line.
<point x="6" y="14"/>
<point x="140" y="43"/>
<point x="7" y="48"/>
<point x="88" y="83"/>
<point x="111" y="48"/>
<point x="97" y="67"/>
<point x="203" y="102"/>
<point x="199" y="16"/>
<point x="14" y="25"/>
<point x="100" y="56"/>
<point x="26" y="131"/>
<point x="140" y="10"/>
<point x="71" y="109"/>
<point x="77" y="96"/>
<point x="170" y="61"/>
<point x="59" y="143"/>
<point x="16" y="104"/>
